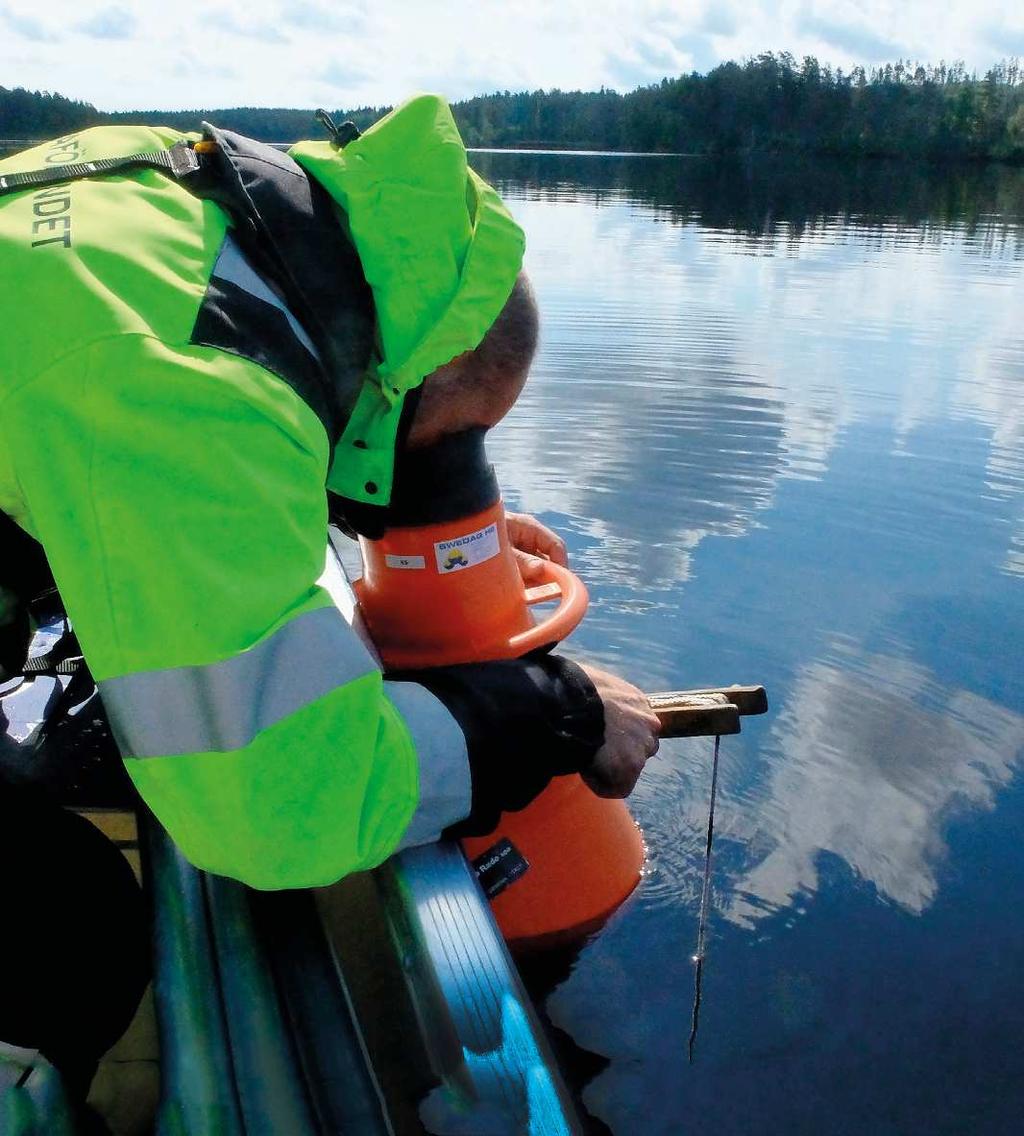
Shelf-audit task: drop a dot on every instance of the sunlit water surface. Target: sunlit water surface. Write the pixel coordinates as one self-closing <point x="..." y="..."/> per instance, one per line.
<point x="779" y="417"/>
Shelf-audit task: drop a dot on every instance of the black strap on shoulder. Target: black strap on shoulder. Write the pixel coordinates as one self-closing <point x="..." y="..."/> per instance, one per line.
<point x="289" y="226"/>
<point x="179" y="161"/>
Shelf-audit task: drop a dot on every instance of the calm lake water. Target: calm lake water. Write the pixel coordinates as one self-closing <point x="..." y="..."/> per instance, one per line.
<point x="779" y="417"/>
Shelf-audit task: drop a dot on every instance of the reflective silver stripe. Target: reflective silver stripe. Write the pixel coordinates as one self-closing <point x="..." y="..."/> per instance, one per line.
<point x="233" y="266"/>
<point x="223" y="706"/>
<point x="446" y="793"/>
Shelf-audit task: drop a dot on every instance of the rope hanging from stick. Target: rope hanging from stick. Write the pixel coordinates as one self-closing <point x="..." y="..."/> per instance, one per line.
<point x="705" y="904"/>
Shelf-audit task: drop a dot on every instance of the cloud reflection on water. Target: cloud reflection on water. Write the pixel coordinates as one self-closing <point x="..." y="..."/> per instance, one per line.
<point x="823" y="365"/>
<point x="689" y="369"/>
<point x="868" y="758"/>
<point x="693" y="379"/>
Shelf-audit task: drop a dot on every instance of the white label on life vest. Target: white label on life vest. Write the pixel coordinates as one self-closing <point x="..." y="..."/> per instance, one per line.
<point x="393" y="561"/>
<point x="465" y="551"/>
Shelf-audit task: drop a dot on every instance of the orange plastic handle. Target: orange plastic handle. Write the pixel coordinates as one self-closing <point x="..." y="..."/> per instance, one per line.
<point x="563" y="585"/>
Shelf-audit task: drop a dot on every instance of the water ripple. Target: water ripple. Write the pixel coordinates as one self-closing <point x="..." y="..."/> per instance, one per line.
<point x="779" y="418"/>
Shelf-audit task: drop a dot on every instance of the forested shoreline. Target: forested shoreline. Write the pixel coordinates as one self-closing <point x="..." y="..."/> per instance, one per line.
<point x="773" y="104"/>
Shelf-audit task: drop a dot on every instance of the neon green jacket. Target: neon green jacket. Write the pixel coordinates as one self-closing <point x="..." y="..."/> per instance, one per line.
<point x="179" y="488"/>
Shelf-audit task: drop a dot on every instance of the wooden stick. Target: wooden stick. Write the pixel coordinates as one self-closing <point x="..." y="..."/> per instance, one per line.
<point x="705" y="713"/>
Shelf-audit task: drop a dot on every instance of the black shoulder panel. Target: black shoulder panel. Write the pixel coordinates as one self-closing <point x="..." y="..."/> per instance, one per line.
<point x="242" y="313"/>
<point x="291" y="231"/>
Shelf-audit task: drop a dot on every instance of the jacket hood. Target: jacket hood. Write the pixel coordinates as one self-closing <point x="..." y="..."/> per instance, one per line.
<point x="439" y="250"/>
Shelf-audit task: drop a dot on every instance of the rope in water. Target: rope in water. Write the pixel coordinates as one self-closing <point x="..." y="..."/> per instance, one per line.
<point x="705" y="904"/>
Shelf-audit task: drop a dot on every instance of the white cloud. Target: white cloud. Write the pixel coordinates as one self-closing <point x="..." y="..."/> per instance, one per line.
<point x="25" y="26"/>
<point x="243" y="26"/>
<point x="345" y="19"/>
<point x="109" y="23"/>
<point x="267" y="52"/>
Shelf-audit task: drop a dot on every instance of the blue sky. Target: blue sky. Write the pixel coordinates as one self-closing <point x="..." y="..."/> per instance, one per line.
<point x="354" y="52"/>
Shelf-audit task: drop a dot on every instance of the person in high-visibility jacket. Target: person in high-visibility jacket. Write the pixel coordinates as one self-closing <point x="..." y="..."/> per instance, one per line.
<point x="176" y="395"/>
<point x="168" y="427"/>
<point x="189" y="363"/>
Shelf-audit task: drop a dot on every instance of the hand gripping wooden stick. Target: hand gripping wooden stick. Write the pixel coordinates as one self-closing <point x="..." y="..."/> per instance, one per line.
<point x="706" y="713"/>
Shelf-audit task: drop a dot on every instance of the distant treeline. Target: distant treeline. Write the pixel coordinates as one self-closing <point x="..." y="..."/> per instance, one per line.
<point x="39" y="114"/>
<point x="771" y="103"/>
